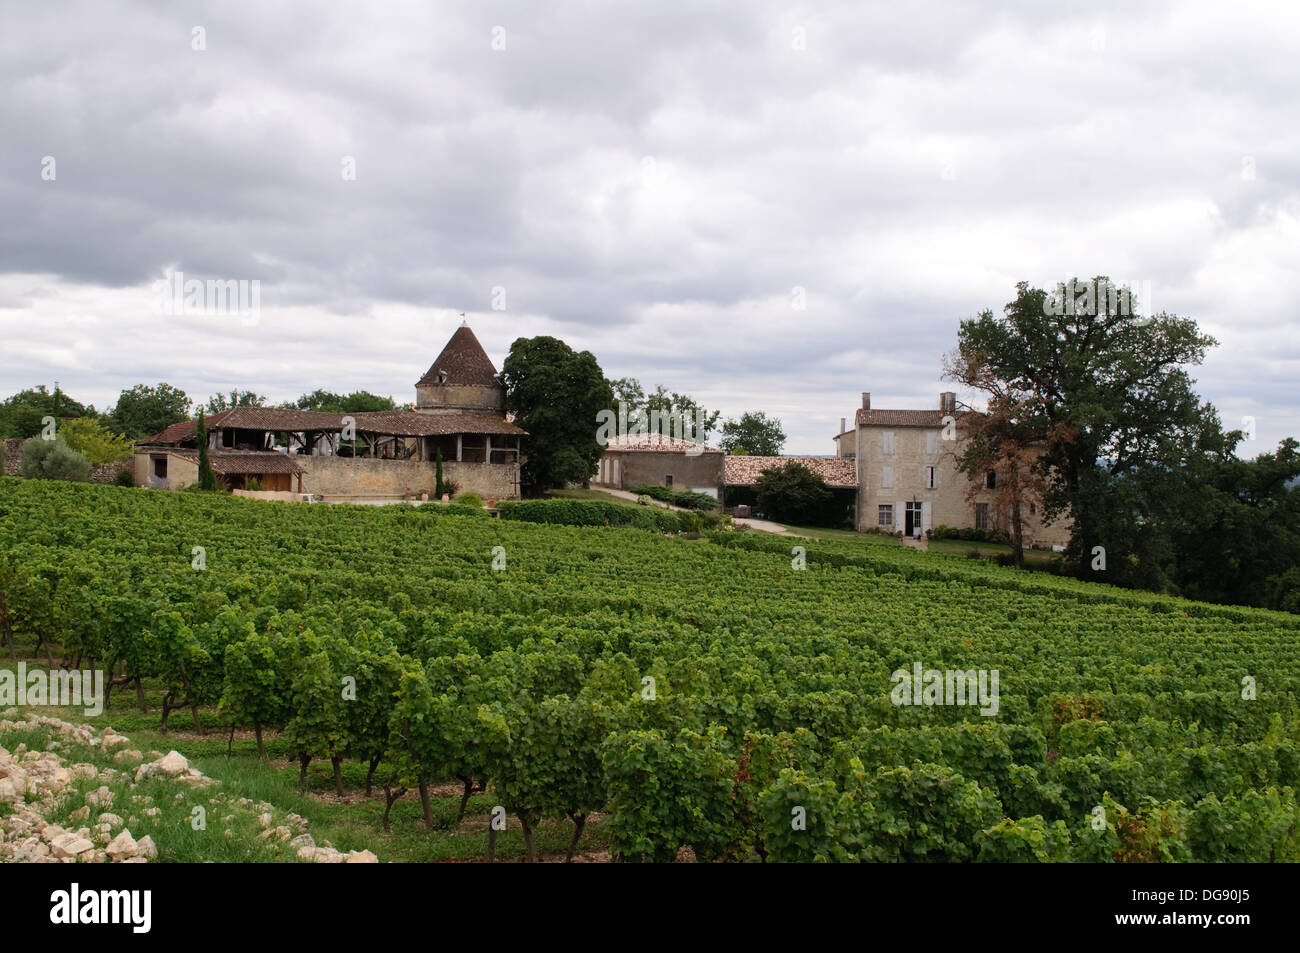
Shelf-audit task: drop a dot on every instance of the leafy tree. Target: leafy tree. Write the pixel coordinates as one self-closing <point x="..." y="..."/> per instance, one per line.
<point x="753" y="433"/>
<point x="663" y="405"/>
<point x="53" y="460"/>
<point x="89" y="437"/>
<point x="1234" y="527"/>
<point x="555" y="394"/>
<point x="437" y="476"/>
<point x="792" y="493"/>
<point x="207" y="476"/>
<point x="357" y="402"/>
<point x="1107" y="395"/>
<point x="238" y="398"/>
<point x="143" y="411"/>
<point x="22" y="413"/>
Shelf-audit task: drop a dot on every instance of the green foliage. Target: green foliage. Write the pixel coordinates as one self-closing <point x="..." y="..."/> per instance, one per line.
<point x="555" y="394"/>
<point x="792" y="493"/>
<point x="144" y="411"/>
<point x="701" y="695"/>
<point x="21" y="415"/>
<point x="238" y="398"/>
<point x="207" y="476"/>
<point x="124" y="477"/>
<point x="663" y="405"/>
<point x="53" y="460"/>
<point x="89" y="437"/>
<point x="1106" y="394"/>
<point x="683" y="498"/>
<point x="753" y="434"/>
<point x="357" y="402"/>
<point x="438" y="489"/>
<point x="589" y="513"/>
<point x="472" y="500"/>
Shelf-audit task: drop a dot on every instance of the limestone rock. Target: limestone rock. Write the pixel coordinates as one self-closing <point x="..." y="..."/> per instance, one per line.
<point x="123" y="846"/>
<point x="145" y="847"/>
<point x="361" y="857"/>
<point x="70" y="845"/>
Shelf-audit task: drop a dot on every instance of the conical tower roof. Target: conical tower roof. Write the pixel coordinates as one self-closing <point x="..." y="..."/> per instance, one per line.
<point x="462" y="361"/>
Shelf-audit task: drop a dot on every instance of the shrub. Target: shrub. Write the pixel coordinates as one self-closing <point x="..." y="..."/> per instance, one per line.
<point x="794" y="494"/>
<point x="53" y="460"/>
<point x="469" y="499"/>
<point x="124" y="478"/>
<point x="253" y="484"/>
<point x="94" y="441"/>
<point x="590" y="513"/>
<point x="685" y="499"/>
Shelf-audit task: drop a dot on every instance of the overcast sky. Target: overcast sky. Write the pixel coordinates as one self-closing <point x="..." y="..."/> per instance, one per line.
<point x="766" y="205"/>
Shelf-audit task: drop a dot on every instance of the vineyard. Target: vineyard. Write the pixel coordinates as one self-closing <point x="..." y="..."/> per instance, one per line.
<point x="722" y="694"/>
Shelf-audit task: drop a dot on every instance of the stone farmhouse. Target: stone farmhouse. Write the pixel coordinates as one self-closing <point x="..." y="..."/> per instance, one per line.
<point x="907" y="477"/>
<point x="459" y="412"/>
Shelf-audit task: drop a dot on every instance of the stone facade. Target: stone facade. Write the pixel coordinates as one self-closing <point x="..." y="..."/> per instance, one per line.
<point x="365" y="478"/>
<point x="627" y="468"/>
<point x="905" y="464"/>
<point x="448" y="398"/>
<point x="180" y="472"/>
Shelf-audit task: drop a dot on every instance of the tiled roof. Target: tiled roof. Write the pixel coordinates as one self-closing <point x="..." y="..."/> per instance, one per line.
<point x="249" y="462"/>
<point x="656" y="442"/>
<point x="251" y="418"/>
<point x="745" y="471"/>
<point x="904" y="418"/>
<point x="410" y="423"/>
<point x="463" y="360"/>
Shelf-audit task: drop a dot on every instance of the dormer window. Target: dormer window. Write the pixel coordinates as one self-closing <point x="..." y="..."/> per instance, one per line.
<point x="442" y="376"/>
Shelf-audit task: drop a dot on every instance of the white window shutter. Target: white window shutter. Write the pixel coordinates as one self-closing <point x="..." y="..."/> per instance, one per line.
<point x="887" y="442"/>
<point x="899" y="508"/>
<point x="886" y="477"/>
<point x="925" y="515"/>
<point x="931" y="442"/>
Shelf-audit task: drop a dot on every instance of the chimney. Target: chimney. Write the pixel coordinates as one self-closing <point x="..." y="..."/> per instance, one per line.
<point x="948" y="402"/>
<point x="842" y="419"/>
<point x="866" y="400"/>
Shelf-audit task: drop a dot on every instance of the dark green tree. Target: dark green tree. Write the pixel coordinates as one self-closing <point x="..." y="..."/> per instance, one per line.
<point x="1107" y="395"/>
<point x="207" y="476"/>
<point x="666" y="404"/>
<point x="437" y="478"/>
<point x="754" y="433"/>
<point x="792" y="493"/>
<point x="238" y="398"/>
<point x="21" y="415"/>
<point x="357" y="402"/>
<point x="555" y="394"/>
<point x="143" y="411"/>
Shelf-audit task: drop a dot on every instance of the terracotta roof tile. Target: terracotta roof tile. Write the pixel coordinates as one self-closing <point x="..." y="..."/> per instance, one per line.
<point x="904" y="418"/>
<point x="463" y="360"/>
<point x="410" y="423"/>
<point x="662" y="443"/>
<point x="745" y="471"/>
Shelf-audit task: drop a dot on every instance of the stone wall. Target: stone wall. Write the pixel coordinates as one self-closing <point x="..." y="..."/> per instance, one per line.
<point x="361" y="477"/>
<point x="435" y="397"/>
<point x="107" y="473"/>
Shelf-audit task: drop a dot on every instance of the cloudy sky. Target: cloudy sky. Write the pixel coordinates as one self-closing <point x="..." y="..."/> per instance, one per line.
<point x="767" y="205"/>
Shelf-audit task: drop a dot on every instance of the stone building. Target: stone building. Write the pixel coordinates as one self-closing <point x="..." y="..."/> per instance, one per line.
<point x="632" y="459"/>
<point x="907" y="475"/>
<point x="459" y="415"/>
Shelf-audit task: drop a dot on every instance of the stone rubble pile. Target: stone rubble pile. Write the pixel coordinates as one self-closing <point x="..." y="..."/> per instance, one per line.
<point x="32" y="784"/>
